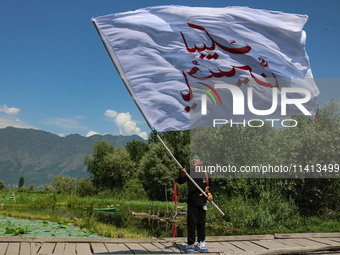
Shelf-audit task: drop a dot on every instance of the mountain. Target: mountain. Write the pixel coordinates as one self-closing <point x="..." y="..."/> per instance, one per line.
<point x="39" y="156"/>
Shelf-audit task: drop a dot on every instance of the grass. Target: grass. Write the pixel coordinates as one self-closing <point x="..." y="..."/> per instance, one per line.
<point x="267" y="214"/>
<point x="50" y="199"/>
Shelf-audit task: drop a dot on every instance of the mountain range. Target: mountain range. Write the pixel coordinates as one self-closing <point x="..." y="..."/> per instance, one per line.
<point x="39" y="156"/>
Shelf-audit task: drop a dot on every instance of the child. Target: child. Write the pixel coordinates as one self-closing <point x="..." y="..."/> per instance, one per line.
<point x="196" y="204"/>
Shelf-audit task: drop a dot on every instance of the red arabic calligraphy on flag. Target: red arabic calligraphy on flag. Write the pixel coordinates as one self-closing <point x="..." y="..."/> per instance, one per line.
<point x="172" y="57"/>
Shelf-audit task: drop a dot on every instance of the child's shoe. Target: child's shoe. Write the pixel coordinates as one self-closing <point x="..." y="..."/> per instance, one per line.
<point x="202" y="248"/>
<point x="190" y="248"/>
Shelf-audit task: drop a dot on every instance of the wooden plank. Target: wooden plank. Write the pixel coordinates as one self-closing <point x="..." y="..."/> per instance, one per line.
<point x="248" y="247"/>
<point x="163" y="249"/>
<point x="232" y="247"/>
<point x="222" y="248"/>
<point x="7" y="239"/>
<point x="326" y="253"/>
<point x="308" y="235"/>
<point x="173" y="240"/>
<point x="46" y="249"/>
<point x="335" y="239"/>
<point x="171" y="246"/>
<point x="118" y="248"/>
<point x="326" y="241"/>
<point x="25" y="249"/>
<point x="221" y="238"/>
<point x="99" y="248"/>
<point x="136" y="248"/>
<point x="180" y="246"/>
<point x="59" y="249"/>
<point x="242" y="246"/>
<point x="13" y="249"/>
<point x="307" y="243"/>
<point x="238" y="238"/>
<point x="289" y="243"/>
<point x="254" y="246"/>
<point x="70" y="249"/>
<point x="83" y="249"/>
<point x="271" y="244"/>
<point x="35" y="247"/>
<point x="212" y="247"/>
<point x="168" y="247"/>
<point x="299" y="250"/>
<point x="3" y="248"/>
<point x="10" y="239"/>
<point x="152" y="248"/>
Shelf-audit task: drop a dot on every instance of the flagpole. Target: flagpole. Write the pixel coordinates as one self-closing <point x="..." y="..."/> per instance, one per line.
<point x="189" y="177"/>
<point x="116" y="63"/>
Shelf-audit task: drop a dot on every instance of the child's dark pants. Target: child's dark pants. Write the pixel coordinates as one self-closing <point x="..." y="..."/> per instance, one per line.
<point x="196" y="219"/>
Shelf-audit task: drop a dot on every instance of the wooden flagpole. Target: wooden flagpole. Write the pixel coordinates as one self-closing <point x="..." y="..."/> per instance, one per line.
<point x="189" y="177"/>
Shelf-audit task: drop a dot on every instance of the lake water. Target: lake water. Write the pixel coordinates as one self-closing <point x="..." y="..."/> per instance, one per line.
<point x="122" y="219"/>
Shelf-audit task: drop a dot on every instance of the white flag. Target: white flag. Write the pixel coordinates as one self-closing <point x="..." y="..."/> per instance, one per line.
<point x="186" y="66"/>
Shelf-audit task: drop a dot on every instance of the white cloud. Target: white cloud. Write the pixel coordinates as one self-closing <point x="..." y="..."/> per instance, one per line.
<point x="9" y="118"/>
<point x="125" y="124"/>
<point x="144" y="135"/>
<point x="10" y="111"/>
<point x="8" y="121"/>
<point x="61" y="135"/>
<point x="111" y="113"/>
<point x="64" y="123"/>
<point x="91" y="133"/>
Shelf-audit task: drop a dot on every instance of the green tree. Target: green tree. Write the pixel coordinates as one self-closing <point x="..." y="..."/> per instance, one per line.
<point x="182" y="192"/>
<point x="134" y="189"/>
<point x="21" y="182"/>
<point x="178" y="141"/>
<point x="234" y="146"/>
<point x="136" y="150"/>
<point x="64" y="184"/>
<point x="158" y="172"/>
<point x="95" y="165"/>
<point x="310" y="144"/>
<point x="85" y="187"/>
<point x="109" y="167"/>
<point x="2" y="185"/>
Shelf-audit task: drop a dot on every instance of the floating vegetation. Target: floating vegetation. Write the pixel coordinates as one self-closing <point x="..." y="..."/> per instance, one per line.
<point x="38" y="228"/>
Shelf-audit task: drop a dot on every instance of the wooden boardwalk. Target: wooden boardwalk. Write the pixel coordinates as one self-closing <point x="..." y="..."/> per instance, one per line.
<point x="309" y="243"/>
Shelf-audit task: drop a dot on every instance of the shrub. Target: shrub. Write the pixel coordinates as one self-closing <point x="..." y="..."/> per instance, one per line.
<point x="2" y="185"/>
<point x="134" y="189"/>
<point x="85" y="187"/>
<point x="182" y="192"/>
<point x="47" y="188"/>
<point x="64" y="184"/>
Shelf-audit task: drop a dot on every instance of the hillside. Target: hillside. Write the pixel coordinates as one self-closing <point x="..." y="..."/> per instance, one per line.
<point x="39" y="156"/>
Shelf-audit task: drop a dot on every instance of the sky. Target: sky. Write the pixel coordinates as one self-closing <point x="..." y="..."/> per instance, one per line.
<point x="56" y="76"/>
